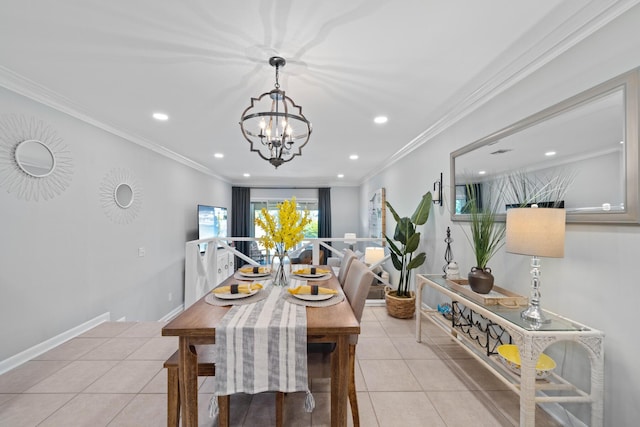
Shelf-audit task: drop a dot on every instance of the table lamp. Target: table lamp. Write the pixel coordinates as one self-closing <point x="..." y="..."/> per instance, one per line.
<point x="373" y="256"/>
<point x="538" y="232"/>
<point x="349" y="239"/>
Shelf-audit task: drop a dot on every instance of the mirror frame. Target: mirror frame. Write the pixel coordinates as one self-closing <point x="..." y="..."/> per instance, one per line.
<point x="21" y="146"/>
<point x="629" y="83"/>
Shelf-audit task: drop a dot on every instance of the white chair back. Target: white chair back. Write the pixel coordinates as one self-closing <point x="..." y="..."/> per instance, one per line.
<point x="348" y="257"/>
<point x="356" y="288"/>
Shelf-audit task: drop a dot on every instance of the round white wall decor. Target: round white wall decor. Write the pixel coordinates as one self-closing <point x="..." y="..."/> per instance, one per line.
<point x="34" y="161"/>
<point x="120" y="196"/>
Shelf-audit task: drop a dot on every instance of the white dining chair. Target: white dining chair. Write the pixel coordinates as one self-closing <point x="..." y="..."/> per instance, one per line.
<point x="348" y="257"/>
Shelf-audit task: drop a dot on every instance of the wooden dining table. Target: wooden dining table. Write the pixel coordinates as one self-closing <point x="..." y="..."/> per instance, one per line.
<point x="197" y="325"/>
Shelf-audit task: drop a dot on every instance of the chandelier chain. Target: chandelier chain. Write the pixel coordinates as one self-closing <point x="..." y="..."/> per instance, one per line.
<point x="277" y="85"/>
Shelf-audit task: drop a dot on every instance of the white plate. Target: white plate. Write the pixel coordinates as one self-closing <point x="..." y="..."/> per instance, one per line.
<point x="236" y="296"/>
<point x="320" y="297"/>
<point x="323" y="276"/>
<point x="253" y="274"/>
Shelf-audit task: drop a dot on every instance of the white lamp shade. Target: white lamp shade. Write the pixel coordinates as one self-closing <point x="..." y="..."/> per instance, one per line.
<point x="349" y="238"/>
<point x="373" y="255"/>
<point x="536" y="231"/>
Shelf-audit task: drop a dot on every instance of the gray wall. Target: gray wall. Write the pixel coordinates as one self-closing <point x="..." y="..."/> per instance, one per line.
<point x="64" y="262"/>
<point x="596" y="282"/>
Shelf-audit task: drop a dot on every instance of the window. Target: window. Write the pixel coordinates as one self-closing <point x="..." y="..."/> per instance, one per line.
<point x="311" y="205"/>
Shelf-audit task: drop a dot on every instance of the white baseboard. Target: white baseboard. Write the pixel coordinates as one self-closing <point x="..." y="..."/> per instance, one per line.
<point x="173" y="313"/>
<point x="375" y="303"/>
<point x="43" y="347"/>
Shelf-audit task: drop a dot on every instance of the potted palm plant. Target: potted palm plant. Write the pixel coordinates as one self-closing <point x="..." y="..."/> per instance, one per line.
<point x="401" y="303"/>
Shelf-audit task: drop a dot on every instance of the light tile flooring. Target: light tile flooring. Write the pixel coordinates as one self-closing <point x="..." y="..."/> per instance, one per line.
<point x="112" y="376"/>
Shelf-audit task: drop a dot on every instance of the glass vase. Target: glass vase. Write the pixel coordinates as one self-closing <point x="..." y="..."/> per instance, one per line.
<point x="281" y="269"/>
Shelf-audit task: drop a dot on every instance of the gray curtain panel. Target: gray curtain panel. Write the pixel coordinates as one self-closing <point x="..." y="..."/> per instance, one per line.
<point x="241" y="219"/>
<point x="324" y="217"/>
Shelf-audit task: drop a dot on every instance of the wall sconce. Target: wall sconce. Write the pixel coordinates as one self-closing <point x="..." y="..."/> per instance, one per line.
<point x="437" y="191"/>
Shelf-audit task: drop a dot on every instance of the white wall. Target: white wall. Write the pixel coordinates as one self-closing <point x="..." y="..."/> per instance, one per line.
<point x="344" y="213"/>
<point x="596" y="282"/>
<point x="63" y="261"/>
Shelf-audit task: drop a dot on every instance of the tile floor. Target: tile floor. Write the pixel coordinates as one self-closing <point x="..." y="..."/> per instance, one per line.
<point x="112" y="375"/>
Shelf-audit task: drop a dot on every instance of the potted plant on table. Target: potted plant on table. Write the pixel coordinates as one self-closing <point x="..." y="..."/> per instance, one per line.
<point x="401" y="303"/>
<point x="487" y="237"/>
<point x="282" y="234"/>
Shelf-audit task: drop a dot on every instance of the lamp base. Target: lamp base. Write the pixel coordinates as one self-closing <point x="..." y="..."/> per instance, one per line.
<point x="534" y="314"/>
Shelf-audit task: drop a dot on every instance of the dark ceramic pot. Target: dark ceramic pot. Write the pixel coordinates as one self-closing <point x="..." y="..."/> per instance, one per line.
<point x="481" y="281"/>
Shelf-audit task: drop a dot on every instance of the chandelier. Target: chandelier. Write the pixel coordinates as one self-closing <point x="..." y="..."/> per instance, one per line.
<point x="274" y="125"/>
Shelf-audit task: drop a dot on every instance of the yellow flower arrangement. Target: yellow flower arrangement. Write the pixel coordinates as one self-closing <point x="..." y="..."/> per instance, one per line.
<point x="285" y="233"/>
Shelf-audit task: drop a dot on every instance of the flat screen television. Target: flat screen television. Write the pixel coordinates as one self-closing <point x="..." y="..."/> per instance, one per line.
<point x="212" y="222"/>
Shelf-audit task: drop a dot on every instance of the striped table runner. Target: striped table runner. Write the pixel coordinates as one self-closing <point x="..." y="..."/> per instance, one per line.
<point x="262" y="347"/>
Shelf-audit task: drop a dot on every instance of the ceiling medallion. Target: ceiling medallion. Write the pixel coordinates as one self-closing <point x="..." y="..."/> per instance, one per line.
<point x="274" y="125"/>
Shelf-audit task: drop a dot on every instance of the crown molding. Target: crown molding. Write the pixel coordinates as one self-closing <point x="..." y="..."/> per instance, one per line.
<point x="16" y="83"/>
<point x="584" y="22"/>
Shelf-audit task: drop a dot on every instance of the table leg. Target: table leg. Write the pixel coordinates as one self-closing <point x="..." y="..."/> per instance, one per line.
<point x="340" y="382"/>
<point x="223" y="413"/>
<point x="188" y="371"/>
<point x="597" y="379"/>
<point x="528" y="360"/>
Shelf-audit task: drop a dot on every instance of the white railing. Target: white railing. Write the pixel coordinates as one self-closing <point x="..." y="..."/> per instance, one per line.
<point x="203" y="271"/>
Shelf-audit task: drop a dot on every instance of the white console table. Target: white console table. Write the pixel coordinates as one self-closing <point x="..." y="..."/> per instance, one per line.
<point x="496" y="324"/>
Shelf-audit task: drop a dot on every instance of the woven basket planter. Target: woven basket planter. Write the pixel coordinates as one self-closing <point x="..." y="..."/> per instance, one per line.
<point x="401" y="308"/>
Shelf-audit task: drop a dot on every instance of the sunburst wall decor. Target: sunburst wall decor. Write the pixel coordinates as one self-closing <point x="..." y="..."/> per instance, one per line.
<point x="120" y="196"/>
<point x="20" y="172"/>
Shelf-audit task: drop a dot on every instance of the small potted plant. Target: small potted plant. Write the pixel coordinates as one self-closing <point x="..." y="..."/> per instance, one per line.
<point x="401" y="303"/>
<point x="487" y="237"/>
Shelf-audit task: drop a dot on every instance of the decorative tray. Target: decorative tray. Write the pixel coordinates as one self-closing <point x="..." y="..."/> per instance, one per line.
<point x="497" y="295"/>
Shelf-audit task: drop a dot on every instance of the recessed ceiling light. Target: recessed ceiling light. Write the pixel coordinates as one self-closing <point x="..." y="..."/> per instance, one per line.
<point x="160" y="117"/>
<point x="482" y="172"/>
<point x="246" y="175"/>
<point x="353" y="157"/>
<point x="380" y="119"/>
<point x="218" y="155"/>
<point x="550" y="153"/>
<point x="621" y="142"/>
<point x="340" y="175"/>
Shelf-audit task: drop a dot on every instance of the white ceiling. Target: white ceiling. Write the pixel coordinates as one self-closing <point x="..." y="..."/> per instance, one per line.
<point x="114" y="63"/>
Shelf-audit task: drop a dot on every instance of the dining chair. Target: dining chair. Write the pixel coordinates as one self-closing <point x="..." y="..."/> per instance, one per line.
<point x="348" y="257"/>
<point x="358" y="280"/>
<point x="206" y="368"/>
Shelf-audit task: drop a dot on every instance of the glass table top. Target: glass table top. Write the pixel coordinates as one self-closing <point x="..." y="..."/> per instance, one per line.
<point x="512" y="315"/>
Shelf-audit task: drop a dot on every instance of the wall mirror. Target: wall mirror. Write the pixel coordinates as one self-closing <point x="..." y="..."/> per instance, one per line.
<point x="35" y="158"/>
<point x="124" y="195"/>
<point x="589" y="140"/>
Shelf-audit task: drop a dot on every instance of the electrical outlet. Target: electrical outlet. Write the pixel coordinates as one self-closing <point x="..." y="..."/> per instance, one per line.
<point x="141" y="251"/>
<point x="170" y="296"/>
